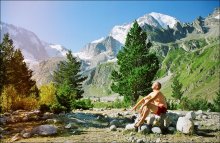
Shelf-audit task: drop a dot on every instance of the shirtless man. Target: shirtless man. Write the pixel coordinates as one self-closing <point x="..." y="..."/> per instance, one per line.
<point x="155" y="102"/>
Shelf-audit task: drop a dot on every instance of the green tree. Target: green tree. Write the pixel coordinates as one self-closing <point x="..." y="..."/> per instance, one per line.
<point x="137" y="67"/>
<point x="15" y="71"/>
<point x="68" y="81"/>
<point x="2" y="71"/>
<point x="176" y="88"/>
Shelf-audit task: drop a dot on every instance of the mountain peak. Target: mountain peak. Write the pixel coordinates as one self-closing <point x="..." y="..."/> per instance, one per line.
<point x="164" y="20"/>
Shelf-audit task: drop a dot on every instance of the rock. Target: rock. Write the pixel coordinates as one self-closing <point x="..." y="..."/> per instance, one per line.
<point x="191" y="115"/>
<point x="171" y="129"/>
<point x="144" y="129"/>
<point x="3" y="121"/>
<point x="156" y="130"/>
<point x="98" y="118"/>
<point x="113" y="128"/>
<point x="115" y="122"/>
<point x="26" y="135"/>
<point x="140" y="141"/>
<point x="199" y="112"/>
<point x="1" y="129"/>
<point x="173" y="117"/>
<point x="132" y="133"/>
<point x="185" y="125"/>
<point x="25" y="118"/>
<point x="45" y="130"/>
<point x="71" y="126"/>
<point x="131" y="139"/>
<point x="52" y="121"/>
<point x="1" y="137"/>
<point x="48" y="115"/>
<point x="205" y="117"/>
<point x="150" y="120"/>
<point x="119" y="114"/>
<point x="130" y="127"/>
<point x="158" y="140"/>
<point x="16" y="137"/>
<point x="209" y="110"/>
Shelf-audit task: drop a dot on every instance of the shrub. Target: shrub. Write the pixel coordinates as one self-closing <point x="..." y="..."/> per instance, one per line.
<point x="172" y="104"/>
<point x="198" y="104"/>
<point x="82" y="104"/>
<point x="57" y="108"/>
<point x="7" y="98"/>
<point x="48" y="94"/>
<point x="29" y="103"/>
<point x="217" y="102"/>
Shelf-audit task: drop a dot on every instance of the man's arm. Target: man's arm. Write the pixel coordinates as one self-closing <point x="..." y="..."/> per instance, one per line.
<point x="140" y="102"/>
<point x="151" y="99"/>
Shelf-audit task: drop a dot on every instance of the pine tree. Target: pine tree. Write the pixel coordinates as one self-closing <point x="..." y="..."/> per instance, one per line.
<point x="176" y="88"/>
<point x="2" y="70"/>
<point x="15" y="70"/>
<point x="137" y="67"/>
<point x="68" y="81"/>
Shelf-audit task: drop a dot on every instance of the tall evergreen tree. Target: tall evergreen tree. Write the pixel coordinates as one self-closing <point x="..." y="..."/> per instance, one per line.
<point x="2" y="70"/>
<point x="176" y="88"/>
<point x="68" y="80"/>
<point x="16" y="72"/>
<point x="137" y="67"/>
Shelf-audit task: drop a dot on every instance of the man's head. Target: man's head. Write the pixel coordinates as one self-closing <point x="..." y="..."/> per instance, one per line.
<point x="156" y="86"/>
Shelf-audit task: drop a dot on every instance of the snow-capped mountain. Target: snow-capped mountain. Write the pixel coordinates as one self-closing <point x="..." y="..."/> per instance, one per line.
<point x="154" y="19"/>
<point x="164" y="20"/>
<point x="33" y="49"/>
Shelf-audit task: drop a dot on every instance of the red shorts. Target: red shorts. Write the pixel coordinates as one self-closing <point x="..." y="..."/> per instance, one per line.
<point x="161" y="109"/>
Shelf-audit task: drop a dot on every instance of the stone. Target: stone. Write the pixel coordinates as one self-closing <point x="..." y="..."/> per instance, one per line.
<point x="191" y="115"/>
<point x="158" y="140"/>
<point x="209" y="110"/>
<point x="205" y="117"/>
<point x="1" y="129"/>
<point x="150" y="120"/>
<point x="113" y="128"/>
<point x="48" y="115"/>
<point x="51" y="121"/>
<point x="115" y="122"/>
<point x="131" y="139"/>
<point x="140" y="141"/>
<point x="16" y="137"/>
<point x="45" y="130"/>
<point x="144" y="129"/>
<point x="171" y="129"/>
<point x="71" y="126"/>
<point x="26" y="135"/>
<point x="173" y="117"/>
<point x="156" y="130"/>
<point x="185" y="125"/>
<point x="130" y="127"/>
<point x="199" y="112"/>
<point x="3" y="121"/>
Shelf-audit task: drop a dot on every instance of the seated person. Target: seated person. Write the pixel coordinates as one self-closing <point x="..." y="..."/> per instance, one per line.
<point x="155" y="102"/>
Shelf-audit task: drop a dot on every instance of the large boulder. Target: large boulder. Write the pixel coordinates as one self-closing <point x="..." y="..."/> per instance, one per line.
<point x="45" y="130"/>
<point x="185" y="125"/>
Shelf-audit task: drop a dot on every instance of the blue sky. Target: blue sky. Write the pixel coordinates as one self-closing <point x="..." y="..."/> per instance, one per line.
<point x="73" y="24"/>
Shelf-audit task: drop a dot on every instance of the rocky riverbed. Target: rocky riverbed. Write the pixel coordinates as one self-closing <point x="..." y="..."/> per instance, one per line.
<point x="109" y="125"/>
